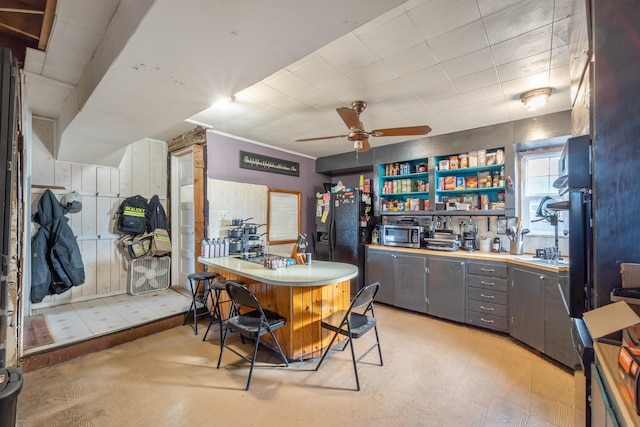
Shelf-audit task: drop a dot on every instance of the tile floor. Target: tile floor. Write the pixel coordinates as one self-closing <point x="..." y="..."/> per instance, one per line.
<point x="78" y="321"/>
<point x="435" y="373"/>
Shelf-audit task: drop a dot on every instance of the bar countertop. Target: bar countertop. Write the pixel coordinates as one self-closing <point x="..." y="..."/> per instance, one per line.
<point x="314" y="274"/>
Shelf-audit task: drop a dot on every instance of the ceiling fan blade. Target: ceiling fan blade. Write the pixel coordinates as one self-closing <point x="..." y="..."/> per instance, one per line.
<point x="350" y="117"/>
<point x="411" y="130"/>
<point x="365" y="146"/>
<point x="320" y="137"/>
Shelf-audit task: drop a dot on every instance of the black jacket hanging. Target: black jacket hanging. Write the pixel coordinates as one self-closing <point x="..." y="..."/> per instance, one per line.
<point x="56" y="261"/>
<point x="156" y="216"/>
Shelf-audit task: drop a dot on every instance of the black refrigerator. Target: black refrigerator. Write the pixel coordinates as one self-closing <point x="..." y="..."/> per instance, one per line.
<point x="575" y="182"/>
<point x="343" y="229"/>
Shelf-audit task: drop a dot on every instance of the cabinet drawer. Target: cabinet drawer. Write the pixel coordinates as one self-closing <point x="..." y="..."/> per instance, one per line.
<point x="488" y="308"/>
<point x="487" y="295"/>
<point x="485" y="269"/>
<point x="487" y="321"/>
<point x="496" y="283"/>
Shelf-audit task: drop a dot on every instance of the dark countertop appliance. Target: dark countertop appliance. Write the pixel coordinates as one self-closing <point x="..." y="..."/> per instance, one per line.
<point x="469" y="241"/>
<point x="403" y="235"/>
<point x="443" y="240"/>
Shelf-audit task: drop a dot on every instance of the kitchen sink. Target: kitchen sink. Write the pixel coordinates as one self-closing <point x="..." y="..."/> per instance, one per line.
<point x="541" y="261"/>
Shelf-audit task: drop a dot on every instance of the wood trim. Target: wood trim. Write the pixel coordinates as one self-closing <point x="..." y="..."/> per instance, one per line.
<point x="197" y="136"/>
<point x="199" y="198"/>
<point x="47" y="24"/>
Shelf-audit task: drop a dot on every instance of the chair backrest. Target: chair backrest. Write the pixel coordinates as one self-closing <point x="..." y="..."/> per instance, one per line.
<point x="242" y="296"/>
<point x="365" y="296"/>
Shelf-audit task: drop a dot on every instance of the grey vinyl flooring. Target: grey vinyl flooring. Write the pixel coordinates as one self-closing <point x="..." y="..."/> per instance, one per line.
<point x="435" y="373"/>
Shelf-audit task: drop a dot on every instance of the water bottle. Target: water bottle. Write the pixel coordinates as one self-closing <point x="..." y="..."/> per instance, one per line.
<point x="212" y="248"/>
<point x="204" y="248"/>
<point x="217" y="248"/>
<point x="226" y="247"/>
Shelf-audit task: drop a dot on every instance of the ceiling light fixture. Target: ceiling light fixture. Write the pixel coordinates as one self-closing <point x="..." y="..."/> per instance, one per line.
<point x="535" y="98"/>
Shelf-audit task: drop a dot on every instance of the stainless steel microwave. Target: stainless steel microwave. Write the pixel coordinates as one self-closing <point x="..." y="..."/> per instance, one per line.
<point x="407" y="236"/>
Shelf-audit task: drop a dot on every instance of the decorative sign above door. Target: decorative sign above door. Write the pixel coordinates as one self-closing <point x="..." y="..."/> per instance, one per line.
<point x="258" y="162"/>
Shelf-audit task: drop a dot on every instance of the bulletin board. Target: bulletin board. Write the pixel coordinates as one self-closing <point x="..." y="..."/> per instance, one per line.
<point x="283" y="216"/>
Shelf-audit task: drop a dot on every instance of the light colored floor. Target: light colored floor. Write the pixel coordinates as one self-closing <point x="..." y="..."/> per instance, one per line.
<point x="78" y="321"/>
<point x="435" y="373"/>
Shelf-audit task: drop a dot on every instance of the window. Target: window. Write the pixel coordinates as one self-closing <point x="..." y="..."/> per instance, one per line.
<point x="539" y="171"/>
<point x="283" y="216"/>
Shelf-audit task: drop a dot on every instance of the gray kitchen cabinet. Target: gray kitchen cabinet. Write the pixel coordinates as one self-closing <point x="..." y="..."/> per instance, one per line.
<point x="379" y="268"/>
<point x="526" y="306"/>
<point x="557" y="323"/>
<point x="410" y="282"/>
<point x="446" y="290"/>
<point x="539" y="317"/>
<point x="402" y="278"/>
<point x="487" y="295"/>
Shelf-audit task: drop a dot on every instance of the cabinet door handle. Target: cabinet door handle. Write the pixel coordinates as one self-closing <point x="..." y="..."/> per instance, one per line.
<point x="486" y="321"/>
<point x="487" y="296"/>
<point x="488" y="270"/>
<point x="487" y="283"/>
<point x="486" y="308"/>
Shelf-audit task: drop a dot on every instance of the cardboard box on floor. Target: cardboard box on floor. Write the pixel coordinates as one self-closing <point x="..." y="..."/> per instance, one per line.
<point x="612" y="318"/>
<point x="630" y="274"/>
<point x="622" y="315"/>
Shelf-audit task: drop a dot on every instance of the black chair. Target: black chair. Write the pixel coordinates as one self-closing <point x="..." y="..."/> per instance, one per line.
<point x="215" y="297"/>
<point x="200" y="278"/>
<point x="353" y="323"/>
<point x="253" y="325"/>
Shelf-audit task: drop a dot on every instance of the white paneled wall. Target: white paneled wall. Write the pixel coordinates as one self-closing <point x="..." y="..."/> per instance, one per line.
<point x="143" y="171"/>
<point x="235" y="200"/>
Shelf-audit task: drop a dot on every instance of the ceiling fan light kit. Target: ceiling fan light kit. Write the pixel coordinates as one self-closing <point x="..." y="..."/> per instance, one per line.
<point x="536" y="98"/>
<point x="360" y="137"/>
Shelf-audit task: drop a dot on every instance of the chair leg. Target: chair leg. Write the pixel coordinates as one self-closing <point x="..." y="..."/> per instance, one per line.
<point x="375" y="329"/>
<point x="335" y="335"/>
<point x="216" y="315"/>
<point x="355" y="363"/>
<point x="223" y="343"/>
<point x="253" y="361"/>
<point x="286" y="362"/>
<point x="193" y="308"/>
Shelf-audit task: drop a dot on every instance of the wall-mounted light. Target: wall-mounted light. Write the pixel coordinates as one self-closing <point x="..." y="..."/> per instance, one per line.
<point x="535" y="98"/>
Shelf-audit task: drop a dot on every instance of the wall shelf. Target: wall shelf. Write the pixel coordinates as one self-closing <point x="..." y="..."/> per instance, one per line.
<point x="479" y="185"/>
<point x="403" y="184"/>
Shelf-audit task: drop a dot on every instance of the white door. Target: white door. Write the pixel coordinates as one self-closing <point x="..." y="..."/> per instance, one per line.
<point x="183" y="259"/>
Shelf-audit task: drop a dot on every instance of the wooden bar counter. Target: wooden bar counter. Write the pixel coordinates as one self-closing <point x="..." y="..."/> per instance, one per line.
<point x="304" y="294"/>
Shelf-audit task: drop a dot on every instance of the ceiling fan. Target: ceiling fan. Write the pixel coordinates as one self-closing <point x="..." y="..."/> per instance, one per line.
<point x="357" y="134"/>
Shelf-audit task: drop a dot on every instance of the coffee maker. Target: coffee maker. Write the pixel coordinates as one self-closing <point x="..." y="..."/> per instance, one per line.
<point x="469" y="241"/>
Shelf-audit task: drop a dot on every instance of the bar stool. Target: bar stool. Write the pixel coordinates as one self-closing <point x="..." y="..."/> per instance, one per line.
<point x="199" y="277"/>
<point x="215" y="291"/>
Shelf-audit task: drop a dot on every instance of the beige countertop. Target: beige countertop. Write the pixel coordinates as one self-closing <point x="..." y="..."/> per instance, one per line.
<point x="315" y="274"/>
<point x="526" y="260"/>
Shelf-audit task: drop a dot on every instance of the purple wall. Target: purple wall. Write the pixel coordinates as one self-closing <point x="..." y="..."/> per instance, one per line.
<point x="223" y="162"/>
